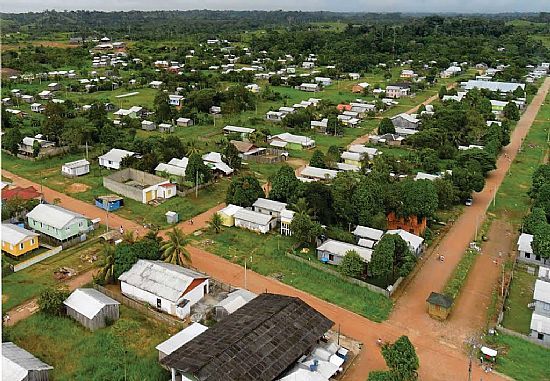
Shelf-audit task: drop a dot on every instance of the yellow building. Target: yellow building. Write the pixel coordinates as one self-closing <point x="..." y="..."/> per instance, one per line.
<point x="17" y="241"/>
<point x="228" y="214"/>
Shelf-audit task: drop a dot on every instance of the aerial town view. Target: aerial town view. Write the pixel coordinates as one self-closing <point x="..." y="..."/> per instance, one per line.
<point x="249" y="190"/>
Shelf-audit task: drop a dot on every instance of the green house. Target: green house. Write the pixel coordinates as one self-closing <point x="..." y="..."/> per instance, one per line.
<point x="58" y="223"/>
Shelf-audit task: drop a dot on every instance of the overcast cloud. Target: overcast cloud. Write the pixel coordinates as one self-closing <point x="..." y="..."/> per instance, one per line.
<point x="462" y="6"/>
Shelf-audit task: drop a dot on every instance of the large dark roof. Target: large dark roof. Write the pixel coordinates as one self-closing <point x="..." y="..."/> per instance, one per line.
<point x="440" y="300"/>
<point x="257" y="342"/>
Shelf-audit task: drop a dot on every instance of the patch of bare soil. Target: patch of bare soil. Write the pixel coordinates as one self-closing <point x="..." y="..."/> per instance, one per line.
<point x="77" y="188"/>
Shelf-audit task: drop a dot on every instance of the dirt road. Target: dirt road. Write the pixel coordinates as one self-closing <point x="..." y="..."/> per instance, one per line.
<point x="88" y="209"/>
<point x="28" y="308"/>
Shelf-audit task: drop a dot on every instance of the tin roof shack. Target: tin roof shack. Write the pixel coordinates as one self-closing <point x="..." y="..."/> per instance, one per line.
<point x="439" y="306"/>
<point x="138" y="185"/>
<point x="257" y="342"/>
<point x="233" y="302"/>
<point x="91" y="308"/>
<point x="179" y="339"/>
<point x="20" y="365"/>
<point x="170" y="288"/>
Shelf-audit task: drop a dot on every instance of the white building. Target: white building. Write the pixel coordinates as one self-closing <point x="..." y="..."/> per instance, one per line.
<point x="286" y="219"/>
<point x="233" y="302"/>
<point x="315" y="174"/>
<point x="366" y="236"/>
<point x="113" y="158"/>
<point x="76" y="168"/>
<point x="258" y="222"/>
<point x="180" y="339"/>
<point x="414" y="242"/>
<point x="269" y="207"/>
<point x="333" y="252"/>
<point x="526" y="253"/>
<point x="170" y="288"/>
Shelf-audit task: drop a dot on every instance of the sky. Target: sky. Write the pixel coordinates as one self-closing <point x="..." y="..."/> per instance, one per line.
<point x="461" y="6"/>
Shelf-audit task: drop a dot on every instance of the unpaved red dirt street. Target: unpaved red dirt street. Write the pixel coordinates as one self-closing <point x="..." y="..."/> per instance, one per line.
<point x="438" y="345"/>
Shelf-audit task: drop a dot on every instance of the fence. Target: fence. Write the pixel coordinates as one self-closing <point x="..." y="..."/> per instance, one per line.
<point x="273" y="155"/>
<point x="524" y="337"/>
<point x="348" y="279"/>
<point x="36" y="259"/>
<point x="163" y="318"/>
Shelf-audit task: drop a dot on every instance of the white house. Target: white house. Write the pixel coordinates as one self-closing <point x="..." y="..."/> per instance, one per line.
<point x="323" y="81"/>
<point x="214" y="161"/>
<point x="366" y="236"/>
<point x="540" y="320"/>
<point x="294" y="141"/>
<point x="175" y="100"/>
<point x="113" y="158"/>
<point x="155" y="84"/>
<point x="311" y="87"/>
<point x="269" y="207"/>
<point x="38" y="107"/>
<point x="184" y="122"/>
<point x="525" y="251"/>
<point x="180" y="339"/>
<point x="414" y="242"/>
<point x="76" y="168"/>
<point x="254" y="221"/>
<point x="148" y="125"/>
<point x="45" y="94"/>
<point x="333" y="252"/>
<point x="315" y="174"/>
<point x="170" y="288"/>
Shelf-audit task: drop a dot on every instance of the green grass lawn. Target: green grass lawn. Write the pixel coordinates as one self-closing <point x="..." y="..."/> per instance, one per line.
<point x="28" y="283"/>
<point x="512" y="201"/>
<point x="520" y="359"/>
<point x="517" y="316"/>
<point x="265" y="255"/>
<point x="125" y="350"/>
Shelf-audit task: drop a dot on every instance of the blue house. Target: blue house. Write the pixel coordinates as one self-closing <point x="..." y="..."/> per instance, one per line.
<point x="109" y="203"/>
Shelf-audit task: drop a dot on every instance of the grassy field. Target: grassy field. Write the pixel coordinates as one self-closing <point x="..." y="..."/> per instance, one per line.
<point x="125" y="350"/>
<point x="28" y="283"/>
<point x="520" y="359"/>
<point x="512" y="201"/>
<point x="265" y="255"/>
<point x="517" y="316"/>
<point x="87" y="187"/>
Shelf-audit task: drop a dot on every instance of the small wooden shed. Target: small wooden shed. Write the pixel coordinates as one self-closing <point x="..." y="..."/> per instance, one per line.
<point x="20" y="365"/>
<point x="439" y="305"/>
<point x="91" y="308"/>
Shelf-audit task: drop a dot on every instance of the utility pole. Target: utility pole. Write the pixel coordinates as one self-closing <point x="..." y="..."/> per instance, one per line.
<point x="197" y="185"/>
<point x="245" y="274"/>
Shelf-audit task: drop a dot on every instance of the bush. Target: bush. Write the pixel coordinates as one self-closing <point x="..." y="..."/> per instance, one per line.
<point x="51" y="300"/>
<point x="460" y="274"/>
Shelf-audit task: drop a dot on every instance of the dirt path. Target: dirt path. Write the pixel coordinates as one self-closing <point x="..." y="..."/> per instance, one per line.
<point x="88" y="209"/>
<point x="410" y="310"/>
<point x="199" y="222"/>
<point x="28" y="308"/>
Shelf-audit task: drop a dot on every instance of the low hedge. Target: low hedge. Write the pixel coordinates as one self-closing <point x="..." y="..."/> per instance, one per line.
<point x="460" y="274"/>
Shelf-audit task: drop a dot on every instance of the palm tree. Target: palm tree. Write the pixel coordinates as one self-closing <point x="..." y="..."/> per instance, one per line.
<point x="216" y="222"/>
<point x="129" y="236"/>
<point x="153" y="235"/>
<point x="106" y="273"/>
<point x="173" y="249"/>
<point x="192" y="147"/>
<point x="301" y="206"/>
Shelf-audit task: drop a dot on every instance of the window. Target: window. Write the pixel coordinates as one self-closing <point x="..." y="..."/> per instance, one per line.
<point x="537" y="257"/>
<point x="546" y="306"/>
<point x="527" y="255"/>
<point x="159" y="303"/>
<point x="21" y="246"/>
<point x="540" y="336"/>
<point x="331" y="257"/>
<point x="32" y="241"/>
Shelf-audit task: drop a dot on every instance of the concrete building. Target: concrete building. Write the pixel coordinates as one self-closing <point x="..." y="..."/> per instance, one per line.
<point x="140" y="186"/>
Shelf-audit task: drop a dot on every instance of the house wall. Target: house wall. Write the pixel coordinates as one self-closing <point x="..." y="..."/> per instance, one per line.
<point x="99" y="321"/>
<point x="197" y="293"/>
<point x="438" y="312"/>
<point x="76" y="227"/>
<point x="410" y="224"/>
<point x="545" y="337"/>
<point x="78" y="171"/>
<point x="227" y="220"/>
<point x="38" y="375"/>
<point x="336" y="260"/>
<point x="144" y="296"/>
<point x="542" y="308"/>
<point x="251" y="226"/>
<point x="28" y="244"/>
<point x="268" y="212"/>
<point x="532" y="258"/>
<point x="109" y="164"/>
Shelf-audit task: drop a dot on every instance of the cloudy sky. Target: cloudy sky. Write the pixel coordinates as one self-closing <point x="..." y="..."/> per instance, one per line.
<point x="462" y="6"/>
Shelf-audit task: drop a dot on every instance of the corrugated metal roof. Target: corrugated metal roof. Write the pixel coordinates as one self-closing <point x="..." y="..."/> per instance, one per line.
<point x="181" y="338"/>
<point x="254" y="217"/>
<point x="524" y="243"/>
<point x="53" y="215"/>
<point x="116" y="155"/>
<point x="236" y="300"/>
<point x="88" y="301"/>
<point x="230" y="209"/>
<point x="162" y="279"/>
<point x="542" y="291"/>
<point x="540" y="323"/>
<point x="14" y="234"/>
<point x="320" y="173"/>
<point x="17" y="359"/>
<point x="77" y="163"/>
<point x="366" y="232"/>
<point x="269" y="204"/>
<point x="341" y="248"/>
<point x="412" y="239"/>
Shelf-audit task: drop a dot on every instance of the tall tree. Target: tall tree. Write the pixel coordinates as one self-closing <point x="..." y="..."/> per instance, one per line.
<point x="386" y="127"/>
<point x="381" y="263"/>
<point x="106" y="272"/>
<point x="231" y="156"/>
<point x="174" y="248"/>
<point x="318" y="159"/>
<point x="304" y="229"/>
<point x="244" y="191"/>
<point x="511" y="111"/>
<point x="197" y="170"/>
<point x="163" y="112"/>
<point x="216" y="222"/>
<point x="402" y="360"/>
<point x="284" y="185"/>
<point x="11" y="140"/>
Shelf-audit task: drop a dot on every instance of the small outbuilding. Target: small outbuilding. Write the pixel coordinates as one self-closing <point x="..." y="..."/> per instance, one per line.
<point x="109" y="202"/>
<point x="180" y="339"/>
<point x="228" y="214"/>
<point x="91" y="308"/>
<point x="20" y="365"/>
<point x="233" y="302"/>
<point x="76" y="168"/>
<point x="439" y="306"/>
